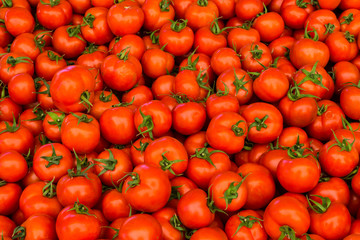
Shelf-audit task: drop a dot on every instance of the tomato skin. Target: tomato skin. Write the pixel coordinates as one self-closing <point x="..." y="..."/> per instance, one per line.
<point x="32" y="201"/>
<point x="256" y="231"/>
<point x="9" y="196"/>
<point x="209" y="233"/>
<point x="68" y="80"/>
<point x="13" y="166"/>
<point x="259" y="183"/>
<point x="248" y="9"/>
<point x="349" y="101"/>
<point x="336" y="163"/>
<point x="271" y="85"/>
<point x="329" y="120"/>
<point x="305" y="108"/>
<point x="86" y="190"/>
<point x="250" y="59"/>
<point x="61" y="13"/>
<point x="308" y="52"/>
<point x="68" y="41"/>
<point x="121" y="165"/>
<point x="22" y="83"/>
<point x="188" y="118"/>
<point x="7" y="227"/>
<point x="221" y="135"/>
<point x="156" y="63"/>
<point x="40" y="227"/>
<point x="200" y="15"/>
<point x="324" y="224"/>
<point x="160" y="115"/>
<point x="48" y="63"/>
<point x="229" y="78"/>
<point x="152" y="193"/>
<point x="130" y="17"/>
<point x="164" y="217"/>
<point x="113" y="123"/>
<point x="193" y="210"/>
<point x="114" y="205"/>
<point x="140" y="226"/>
<point x="224" y="59"/>
<point x="19" y="20"/>
<point x="9" y="69"/>
<point x="55" y="171"/>
<point x="342" y="42"/>
<point x="239" y="37"/>
<point x="285" y="210"/>
<point x="157" y="13"/>
<point x="20" y="140"/>
<point x="217" y="104"/>
<point x="273" y="122"/>
<point x="220" y="183"/>
<point x="270" y="26"/>
<point x="73" y="225"/>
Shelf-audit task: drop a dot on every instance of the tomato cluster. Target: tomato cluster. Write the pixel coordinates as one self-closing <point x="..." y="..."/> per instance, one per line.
<point x="182" y="119"/>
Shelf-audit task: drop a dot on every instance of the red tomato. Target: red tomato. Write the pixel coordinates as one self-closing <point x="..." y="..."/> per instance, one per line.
<point x="13" y="166"/>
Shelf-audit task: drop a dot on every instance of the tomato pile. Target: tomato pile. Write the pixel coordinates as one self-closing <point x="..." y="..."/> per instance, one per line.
<point x="182" y="119"/>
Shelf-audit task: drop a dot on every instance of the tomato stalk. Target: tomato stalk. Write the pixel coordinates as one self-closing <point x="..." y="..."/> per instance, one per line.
<point x="107" y="164"/>
<point x="19" y="233"/>
<point x="247" y="222"/>
<point x="294" y="93"/>
<point x="80" y="163"/>
<point x="178" y="25"/>
<point x="2" y="183"/>
<point x="47" y="91"/>
<point x="329" y="28"/>
<point x="215" y="28"/>
<point x="204" y="153"/>
<point x="85" y="100"/>
<point x="211" y="204"/>
<point x="124" y="104"/>
<point x="322" y="109"/>
<point x="49" y="190"/>
<point x="39" y="41"/>
<point x="83" y="118"/>
<point x="7" y="3"/>
<point x="146" y="123"/>
<point x="344" y="145"/>
<point x="12" y="128"/>
<point x="256" y="52"/>
<point x="348" y="19"/>
<point x="202" y="3"/>
<point x="238" y="131"/>
<point x="81" y="209"/>
<point x="57" y="120"/>
<point x="231" y="192"/>
<point x="74" y="31"/>
<point x="124" y="54"/>
<point x="175" y="194"/>
<point x="220" y="93"/>
<point x="175" y="222"/>
<point x="13" y="61"/>
<point x="53" y="159"/>
<point x="135" y="180"/>
<point x="259" y="123"/>
<point x="288" y="232"/>
<point x="154" y="38"/>
<point x="180" y="98"/>
<point x="39" y="113"/>
<point x="191" y="65"/>
<point x="104" y="98"/>
<point x="53" y="57"/>
<point x="302" y="4"/>
<point x="90" y="49"/>
<point x="240" y="83"/>
<point x="349" y="37"/>
<point x="306" y="34"/>
<point x="319" y="207"/>
<point x="43" y="139"/>
<point x="88" y="20"/>
<point x="313" y="76"/>
<point x="165" y="164"/>
<point x="164" y="5"/>
<point x="52" y="3"/>
<point x="248" y="145"/>
<point x="351" y="175"/>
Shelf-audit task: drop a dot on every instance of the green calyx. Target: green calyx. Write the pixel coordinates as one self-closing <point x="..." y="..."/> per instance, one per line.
<point x="53" y="159"/>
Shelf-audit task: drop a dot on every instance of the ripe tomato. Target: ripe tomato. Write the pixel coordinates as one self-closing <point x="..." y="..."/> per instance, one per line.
<point x="153" y="119"/>
<point x="259" y="183"/>
<point x="40" y="198"/>
<point x="13" y="166"/>
<point x="210" y="233"/>
<point x="77" y="222"/>
<point x="9" y="196"/>
<point x="188" y="118"/>
<point x="68" y="41"/>
<point x="334" y="188"/>
<point x="228" y="191"/>
<point x="255" y="56"/>
<point x="251" y="226"/>
<point x="200" y="14"/>
<point x="227" y="132"/>
<point x="156" y="62"/>
<point x="248" y="9"/>
<point x="125" y="18"/>
<point x="53" y="14"/>
<point x="142" y="226"/>
<point x="241" y="36"/>
<point x="12" y="64"/>
<point x="51" y="161"/>
<point x="285" y="215"/>
<point x="194" y="210"/>
<point x="270" y="26"/>
<point x="19" y="20"/>
<point x="157" y="13"/>
<point x="36" y="227"/>
<point x="147" y="188"/>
